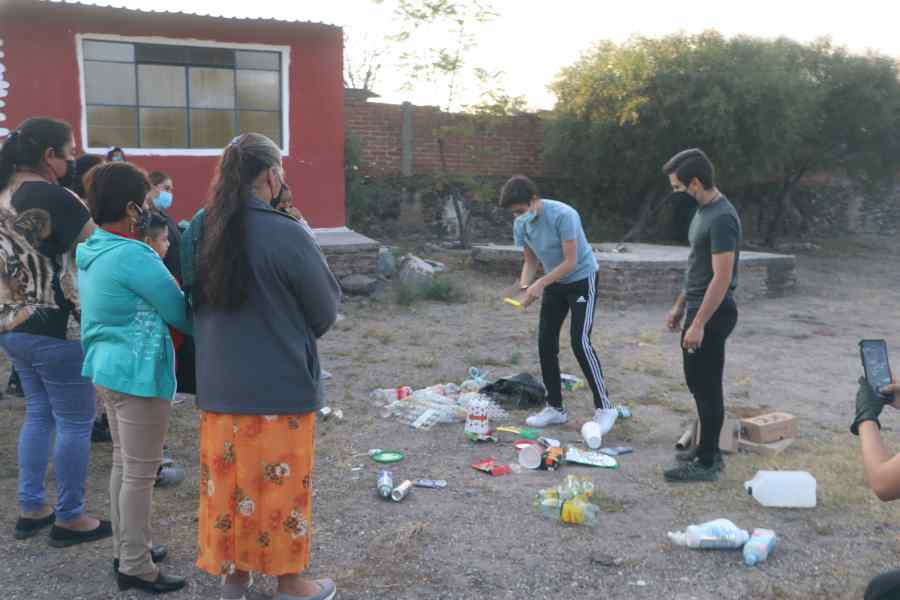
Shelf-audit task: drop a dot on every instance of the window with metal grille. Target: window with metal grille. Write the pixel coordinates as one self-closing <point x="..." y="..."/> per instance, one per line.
<point x="141" y="95"/>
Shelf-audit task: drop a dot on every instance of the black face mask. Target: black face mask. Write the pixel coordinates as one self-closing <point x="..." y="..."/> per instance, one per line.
<point x="680" y="197"/>
<point x="68" y="178"/>
<point x="277" y="199"/>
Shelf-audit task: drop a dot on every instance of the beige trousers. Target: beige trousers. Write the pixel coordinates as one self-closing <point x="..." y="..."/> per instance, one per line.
<point x="138" y="427"/>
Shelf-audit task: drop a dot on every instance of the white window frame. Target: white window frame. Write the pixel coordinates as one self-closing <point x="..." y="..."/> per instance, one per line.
<point x="284" y="51"/>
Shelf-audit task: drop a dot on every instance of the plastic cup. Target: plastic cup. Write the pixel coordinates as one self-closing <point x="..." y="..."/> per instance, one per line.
<point x="592" y="434"/>
<point x="530" y="456"/>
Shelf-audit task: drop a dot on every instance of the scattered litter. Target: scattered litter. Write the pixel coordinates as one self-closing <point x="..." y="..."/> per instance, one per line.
<point x="719" y="534"/>
<point x="489" y="466"/>
<point x="591" y="459"/>
<point x="550" y="442"/>
<point x="478" y="424"/>
<point x="325" y="375"/>
<point x="617" y="450"/>
<point x="624" y="411"/>
<point x="374" y="451"/>
<point x="388" y="456"/>
<point x="385" y="484"/>
<point x="327" y="413"/>
<point x="605" y="560"/>
<point x="783" y="489"/>
<point x="531" y="456"/>
<point x="401" y="491"/>
<point x="570" y="383"/>
<point x="339" y="414"/>
<point x="388" y="395"/>
<point x="640" y="583"/>
<point x="569" y="502"/>
<point x="528" y="434"/>
<point x="759" y="547"/>
<point x="552" y="458"/>
<point x="592" y="434"/>
<point x="519" y="391"/>
<point x="514" y="303"/>
<point x="354" y="469"/>
<point x="687" y="438"/>
<point x="433" y="484"/>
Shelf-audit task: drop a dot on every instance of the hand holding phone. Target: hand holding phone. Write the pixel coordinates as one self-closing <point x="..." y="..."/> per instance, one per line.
<point x="877" y="367"/>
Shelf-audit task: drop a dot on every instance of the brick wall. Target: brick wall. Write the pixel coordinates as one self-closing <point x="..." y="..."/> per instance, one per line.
<point x="474" y="145"/>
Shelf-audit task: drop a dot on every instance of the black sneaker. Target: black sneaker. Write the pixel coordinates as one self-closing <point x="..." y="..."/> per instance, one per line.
<point x="692" y="471"/>
<point x="100" y="433"/>
<point x="690" y="455"/>
<point x="26" y="528"/>
<point x="14" y="387"/>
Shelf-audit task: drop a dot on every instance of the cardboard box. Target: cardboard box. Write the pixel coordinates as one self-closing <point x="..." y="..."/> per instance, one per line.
<point x="769" y="450"/>
<point x="768" y="428"/>
<point x="728" y="438"/>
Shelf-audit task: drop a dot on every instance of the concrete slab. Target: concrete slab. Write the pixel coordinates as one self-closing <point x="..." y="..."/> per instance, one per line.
<point x="348" y="253"/>
<point x="654" y="273"/>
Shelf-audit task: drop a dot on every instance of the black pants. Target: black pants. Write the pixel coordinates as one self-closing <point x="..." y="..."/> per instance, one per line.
<point x="559" y="299"/>
<point x="884" y="587"/>
<point x="703" y="373"/>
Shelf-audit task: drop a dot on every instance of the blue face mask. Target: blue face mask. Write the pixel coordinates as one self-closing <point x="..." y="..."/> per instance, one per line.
<point x="526" y="217"/>
<point x="164" y="200"/>
<point x="117" y="158"/>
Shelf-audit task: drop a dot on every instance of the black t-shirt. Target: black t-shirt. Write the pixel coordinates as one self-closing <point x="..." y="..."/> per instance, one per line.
<point x="50" y="219"/>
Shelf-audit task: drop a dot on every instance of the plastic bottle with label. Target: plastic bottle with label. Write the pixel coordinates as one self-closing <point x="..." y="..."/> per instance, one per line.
<point x="759" y="547"/>
<point x="719" y="534"/>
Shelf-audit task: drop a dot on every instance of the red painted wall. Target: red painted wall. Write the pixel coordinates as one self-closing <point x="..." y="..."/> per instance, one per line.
<point x="41" y="66"/>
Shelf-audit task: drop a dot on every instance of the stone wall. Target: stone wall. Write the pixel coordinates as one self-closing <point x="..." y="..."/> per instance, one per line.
<point x="649" y="274"/>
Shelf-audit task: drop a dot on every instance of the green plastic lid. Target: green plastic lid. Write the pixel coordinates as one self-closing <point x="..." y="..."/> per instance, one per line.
<point x="388" y="456"/>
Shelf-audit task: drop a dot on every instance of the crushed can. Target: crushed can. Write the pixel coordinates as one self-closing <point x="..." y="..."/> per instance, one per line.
<point x="401" y="491"/>
<point x="385" y="484"/>
<point x="552" y="459"/>
<point x="433" y="484"/>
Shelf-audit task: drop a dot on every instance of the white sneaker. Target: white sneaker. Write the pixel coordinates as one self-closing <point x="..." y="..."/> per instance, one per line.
<point x="548" y="416"/>
<point x="606" y="417"/>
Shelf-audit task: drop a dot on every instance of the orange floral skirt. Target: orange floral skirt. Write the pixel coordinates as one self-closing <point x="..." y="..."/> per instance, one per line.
<point x="255" y="493"/>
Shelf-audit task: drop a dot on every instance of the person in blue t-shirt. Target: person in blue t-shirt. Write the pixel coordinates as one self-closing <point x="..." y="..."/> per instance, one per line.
<point x="550" y="232"/>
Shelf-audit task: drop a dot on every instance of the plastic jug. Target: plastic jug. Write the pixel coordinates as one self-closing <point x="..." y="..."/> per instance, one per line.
<point x="783" y="489"/>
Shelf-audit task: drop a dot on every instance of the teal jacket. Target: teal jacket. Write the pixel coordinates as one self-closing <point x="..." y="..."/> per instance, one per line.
<point x="127" y="298"/>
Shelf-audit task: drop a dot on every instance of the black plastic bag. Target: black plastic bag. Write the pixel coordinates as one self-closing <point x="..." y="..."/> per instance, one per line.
<point x="518" y="392"/>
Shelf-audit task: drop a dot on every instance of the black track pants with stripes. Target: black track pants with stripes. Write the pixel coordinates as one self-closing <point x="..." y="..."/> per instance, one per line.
<point x="579" y="298"/>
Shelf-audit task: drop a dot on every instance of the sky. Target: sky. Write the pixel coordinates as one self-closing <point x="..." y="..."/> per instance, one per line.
<point x="531" y="40"/>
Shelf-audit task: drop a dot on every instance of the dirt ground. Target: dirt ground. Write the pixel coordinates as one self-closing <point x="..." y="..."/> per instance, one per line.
<point x="480" y="537"/>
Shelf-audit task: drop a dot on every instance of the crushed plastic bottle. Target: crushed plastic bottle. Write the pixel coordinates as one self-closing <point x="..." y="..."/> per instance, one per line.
<point x="569" y="502"/>
<point x="388" y="395"/>
<point x="720" y="534"/>
<point x="759" y="547"/>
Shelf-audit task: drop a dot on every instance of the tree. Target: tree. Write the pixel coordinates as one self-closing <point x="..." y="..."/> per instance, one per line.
<point x="767" y="111"/>
<point x="363" y="61"/>
<point x="445" y="66"/>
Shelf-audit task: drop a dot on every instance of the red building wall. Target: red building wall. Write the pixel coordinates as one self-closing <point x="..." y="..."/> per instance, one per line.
<point x="503" y="147"/>
<point x="41" y="66"/>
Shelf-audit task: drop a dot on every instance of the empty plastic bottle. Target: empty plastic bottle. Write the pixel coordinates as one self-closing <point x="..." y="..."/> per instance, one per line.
<point x="760" y="546"/>
<point x="718" y="534"/>
<point x="574" y="511"/>
<point x="783" y="489"/>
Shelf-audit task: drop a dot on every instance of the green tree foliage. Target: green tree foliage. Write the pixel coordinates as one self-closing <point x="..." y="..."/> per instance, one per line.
<point x="767" y="112"/>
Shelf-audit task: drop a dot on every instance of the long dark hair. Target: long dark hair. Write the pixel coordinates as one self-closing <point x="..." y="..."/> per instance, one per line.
<point x="83" y="164"/>
<point x="26" y="145"/>
<point x="222" y="266"/>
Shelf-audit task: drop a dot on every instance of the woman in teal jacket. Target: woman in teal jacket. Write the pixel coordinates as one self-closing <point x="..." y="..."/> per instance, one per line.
<point x="127" y="299"/>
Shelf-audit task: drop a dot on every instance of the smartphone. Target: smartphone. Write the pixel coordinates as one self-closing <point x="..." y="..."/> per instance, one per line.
<point x="875" y="362"/>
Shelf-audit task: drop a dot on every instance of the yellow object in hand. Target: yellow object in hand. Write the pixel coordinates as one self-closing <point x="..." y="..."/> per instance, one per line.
<point x="514" y="303"/>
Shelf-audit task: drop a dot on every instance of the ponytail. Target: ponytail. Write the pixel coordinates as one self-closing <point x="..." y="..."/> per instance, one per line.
<point x="223" y="269"/>
<point x="25" y="146"/>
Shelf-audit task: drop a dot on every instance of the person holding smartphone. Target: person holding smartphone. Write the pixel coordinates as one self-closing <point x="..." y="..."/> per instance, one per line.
<point x="882" y="469"/>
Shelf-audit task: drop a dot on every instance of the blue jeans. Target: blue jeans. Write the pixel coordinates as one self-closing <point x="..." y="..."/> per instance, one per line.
<point x="57" y="399"/>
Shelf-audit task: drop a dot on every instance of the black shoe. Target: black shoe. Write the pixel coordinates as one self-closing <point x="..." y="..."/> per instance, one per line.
<point x="100" y="432"/>
<point x="63" y="538"/>
<point x="14" y="389"/>
<point x="692" y="471"/>
<point x="26" y="528"/>
<point x="162" y="585"/>
<point x="691" y="455"/>
<point x="157" y="554"/>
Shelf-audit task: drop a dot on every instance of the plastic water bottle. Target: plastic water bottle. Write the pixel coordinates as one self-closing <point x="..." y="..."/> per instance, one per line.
<point x="760" y="546"/>
<point x="719" y="534"/>
<point x="574" y="511"/>
<point x="783" y="489"/>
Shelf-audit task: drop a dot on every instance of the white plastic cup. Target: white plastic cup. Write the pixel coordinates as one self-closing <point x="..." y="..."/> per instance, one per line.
<point x="530" y="456"/>
<point x="592" y="434"/>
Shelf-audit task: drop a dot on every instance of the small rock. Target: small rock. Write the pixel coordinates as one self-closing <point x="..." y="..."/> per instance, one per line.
<point x="605" y="560"/>
<point x="359" y="284"/>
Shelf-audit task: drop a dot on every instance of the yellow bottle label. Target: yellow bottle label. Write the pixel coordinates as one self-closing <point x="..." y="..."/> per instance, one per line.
<point x="573" y="512"/>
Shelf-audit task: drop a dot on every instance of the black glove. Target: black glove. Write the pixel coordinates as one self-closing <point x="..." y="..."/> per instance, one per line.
<point x="868" y="406"/>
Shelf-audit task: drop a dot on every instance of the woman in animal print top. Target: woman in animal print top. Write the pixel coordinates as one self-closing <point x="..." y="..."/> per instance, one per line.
<point x="40" y="224"/>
